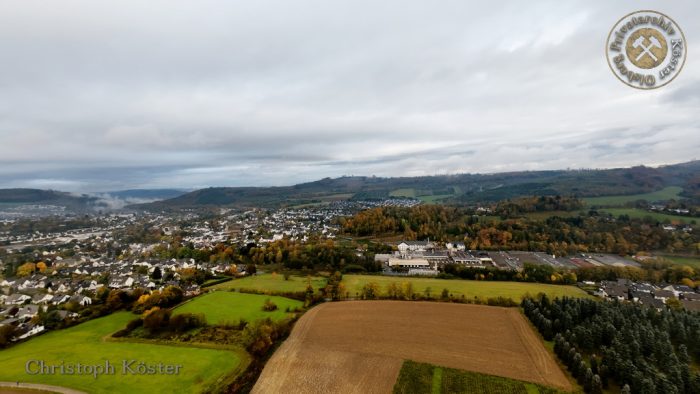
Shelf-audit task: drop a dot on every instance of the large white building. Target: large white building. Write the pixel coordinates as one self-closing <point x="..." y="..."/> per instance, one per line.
<point x="415" y="246"/>
<point x="409" y="263"/>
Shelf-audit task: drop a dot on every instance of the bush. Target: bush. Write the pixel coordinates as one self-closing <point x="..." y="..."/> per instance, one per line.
<point x="156" y="320"/>
<point x="134" y="324"/>
<point x="121" y="333"/>
<point x="259" y="337"/>
<point x="269" y="306"/>
<point x="187" y="321"/>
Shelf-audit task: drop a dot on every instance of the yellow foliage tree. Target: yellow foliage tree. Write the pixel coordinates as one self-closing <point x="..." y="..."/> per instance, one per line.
<point x="26" y="269"/>
<point x="148" y="312"/>
<point x="41" y="266"/>
<point x="688" y="282"/>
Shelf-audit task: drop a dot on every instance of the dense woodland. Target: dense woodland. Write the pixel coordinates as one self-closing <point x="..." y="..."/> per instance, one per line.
<point x="554" y="235"/>
<point x="628" y="347"/>
<point x="520" y="206"/>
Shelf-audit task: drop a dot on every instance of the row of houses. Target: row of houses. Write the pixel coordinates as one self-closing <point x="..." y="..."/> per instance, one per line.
<point x="648" y="294"/>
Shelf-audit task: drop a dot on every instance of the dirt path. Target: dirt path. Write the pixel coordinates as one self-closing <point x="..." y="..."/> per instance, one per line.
<point x="43" y="387"/>
<point x="358" y="346"/>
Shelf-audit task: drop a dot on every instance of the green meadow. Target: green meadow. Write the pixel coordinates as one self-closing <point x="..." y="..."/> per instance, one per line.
<point x="459" y="287"/>
<point x="641" y="214"/>
<point x="86" y="344"/>
<point x="684" y="260"/>
<point x="667" y="193"/>
<point x="226" y="306"/>
<point x="273" y="283"/>
<point x="425" y="378"/>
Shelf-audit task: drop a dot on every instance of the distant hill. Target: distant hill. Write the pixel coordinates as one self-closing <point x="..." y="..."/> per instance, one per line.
<point x="461" y="188"/>
<point x="86" y="202"/>
<point x="47" y="197"/>
<point x="149" y="194"/>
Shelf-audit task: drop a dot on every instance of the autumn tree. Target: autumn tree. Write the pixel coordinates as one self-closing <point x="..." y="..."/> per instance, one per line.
<point x="26" y="269"/>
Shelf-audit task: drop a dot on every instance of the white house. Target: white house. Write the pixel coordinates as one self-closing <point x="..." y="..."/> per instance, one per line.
<point x="17" y="299"/>
<point x="35" y="330"/>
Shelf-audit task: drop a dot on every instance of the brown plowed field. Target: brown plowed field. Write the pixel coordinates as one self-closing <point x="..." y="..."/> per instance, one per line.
<point x="358" y="346"/>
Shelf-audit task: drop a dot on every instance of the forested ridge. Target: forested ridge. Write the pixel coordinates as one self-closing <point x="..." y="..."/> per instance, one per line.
<point x="555" y="235"/>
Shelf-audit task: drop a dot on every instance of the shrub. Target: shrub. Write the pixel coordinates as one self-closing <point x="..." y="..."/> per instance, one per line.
<point x="186" y="321"/>
<point x="133" y="324"/>
<point x="259" y="337"/>
<point x="121" y="333"/>
<point x="269" y="306"/>
<point x="156" y="320"/>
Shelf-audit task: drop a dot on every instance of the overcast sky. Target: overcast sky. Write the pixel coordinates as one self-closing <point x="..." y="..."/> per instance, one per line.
<point x="98" y="95"/>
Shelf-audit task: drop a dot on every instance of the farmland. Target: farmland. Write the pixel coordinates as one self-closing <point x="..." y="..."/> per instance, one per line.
<point x="85" y="344"/>
<point x="224" y="306"/>
<point x="683" y="260"/>
<point x="466" y="288"/>
<point x="359" y="346"/>
<point x="667" y="193"/>
<point x="426" y="196"/>
<point x="425" y="378"/>
<point x="635" y="213"/>
<point x="274" y="283"/>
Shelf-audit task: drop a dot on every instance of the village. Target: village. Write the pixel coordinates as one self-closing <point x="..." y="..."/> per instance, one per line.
<point x="124" y="251"/>
<point x="75" y="264"/>
<point x="657" y="296"/>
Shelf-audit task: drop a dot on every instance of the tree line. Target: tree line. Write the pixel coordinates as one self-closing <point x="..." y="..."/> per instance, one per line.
<point x="554" y="235"/>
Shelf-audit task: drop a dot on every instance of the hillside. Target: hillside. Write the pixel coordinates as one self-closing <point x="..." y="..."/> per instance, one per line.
<point x="45" y="197"/>
<point x="84" y="202"/>
<point x="147" y="194"/>
<point x="461" y="188"/>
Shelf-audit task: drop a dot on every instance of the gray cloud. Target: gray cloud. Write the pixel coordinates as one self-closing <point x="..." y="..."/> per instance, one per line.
<point x="97" y="97"/>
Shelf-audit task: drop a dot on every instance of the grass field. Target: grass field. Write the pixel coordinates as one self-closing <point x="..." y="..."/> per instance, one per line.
<point x="403" y="193"/>
<point x="680" y="260"/>
<point x="667" y="193"/>
<point x="468" y="288"/>
<point x="273" y="283"/>
<point x="641" y="213"/>
<point x="225" y="306"/>
<point x="434" y="198"/>
<point x="85" y="344"/>
<point x="422" y="195"/>
<point x="425" y="378"/>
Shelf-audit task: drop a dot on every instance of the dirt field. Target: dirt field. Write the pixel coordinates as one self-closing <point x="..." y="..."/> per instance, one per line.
<point x="358" y="346"/>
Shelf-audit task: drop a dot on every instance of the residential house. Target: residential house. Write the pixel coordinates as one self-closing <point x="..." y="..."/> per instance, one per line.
<point x="17" y="299"/>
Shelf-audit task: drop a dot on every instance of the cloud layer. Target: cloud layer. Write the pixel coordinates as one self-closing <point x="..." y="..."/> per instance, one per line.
<point x="133" y="94"/>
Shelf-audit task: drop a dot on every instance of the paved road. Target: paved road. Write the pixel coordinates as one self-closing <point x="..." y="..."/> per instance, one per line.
<point x="45" y="387"/>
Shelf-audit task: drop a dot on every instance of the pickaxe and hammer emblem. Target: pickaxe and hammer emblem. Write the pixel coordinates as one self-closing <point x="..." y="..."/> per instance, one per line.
<point x="646" y="49"/>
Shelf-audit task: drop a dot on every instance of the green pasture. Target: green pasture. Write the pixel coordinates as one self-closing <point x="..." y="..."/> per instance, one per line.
<point x="86" y="344"/>
<point x="273" y="283"/>
<point x="667" y="193"/>
<point x="425" y="378"/>
<point x="225" y="306"/>
<point x="459" y="287"/>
